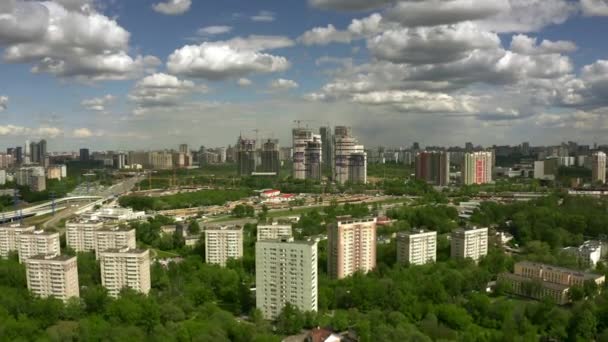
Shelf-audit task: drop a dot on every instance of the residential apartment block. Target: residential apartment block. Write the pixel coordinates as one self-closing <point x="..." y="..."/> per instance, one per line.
<point x="114" y="237"/>
<point x="223" y="243"/>
<point x="9" y="238"/>
<point x="351" y="246"/>
<point x="274" y="231"/>
<point x="53" y="275"/>
<point x="125" y="267"/>
<point x="469" y="243"/>
<point x="286" y="272"/>
<point x="38" y="242"/>
<point x="538" y="281"/>
<point x="80" y="234"/>
<point x="417" y="247"/>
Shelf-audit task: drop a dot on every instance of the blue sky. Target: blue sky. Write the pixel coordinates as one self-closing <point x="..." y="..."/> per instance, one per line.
<point x="112" y="74"/>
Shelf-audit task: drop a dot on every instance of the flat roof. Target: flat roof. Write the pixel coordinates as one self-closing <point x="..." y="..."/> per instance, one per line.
<point x="124" y="251"/>
<point x="223" y="228"/>
<point x="586" y="275"/>
<point x="46" y="257"/>
<point x="115" y="229"/>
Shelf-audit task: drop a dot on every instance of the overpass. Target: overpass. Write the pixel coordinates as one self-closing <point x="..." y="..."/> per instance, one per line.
<point x="45" y="208"/>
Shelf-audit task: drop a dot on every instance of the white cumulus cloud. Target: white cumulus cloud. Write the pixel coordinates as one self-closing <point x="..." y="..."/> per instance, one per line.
<point x="162" y="90"/>
<point x="595" y="7"/>
<point x="173" y="7"/>
<point x="213" y="30"/>
<point x="283" y="84"/>
<point x="264" y="16"/>
<point x="244" y="82"/>
<point x="98" y="104"/>
<point x="3" y="103"/>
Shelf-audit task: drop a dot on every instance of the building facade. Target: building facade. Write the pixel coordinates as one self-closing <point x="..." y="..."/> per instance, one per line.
<point x="245" y="156"/>
<point x="417" y="247"/>
<point x="114" y="237"/>
<point x="10" y="237"/>
<point x="349" y="158"/>
<point x="222" y="244"/>
<point x="300" y="139"/>
<point x="286" y="272"/>
<point x="477" y="168"/>
<point x="125" y="268"/>
<point x="313" y="159"/>
<point x="433" y="167"/>
<point x="53" y="276"/>
<point x="270" y="156"/>
<point x="273" y="231"/>
<point x="38" y="242"/>
<point x="351" y="246"/>
<point x="598" y="167"/>
<point x="469" y="243"/>
<point x="80" y="234"/>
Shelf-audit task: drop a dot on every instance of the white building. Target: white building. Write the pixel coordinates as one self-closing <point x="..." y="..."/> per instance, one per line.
<point x="469" y="243"/>
<point x="38" y="242"/>
<point x="223" y="243"/>
<point x="117" y="214"/>
<point x="589" y="253"/>
<point x="53" y="275"/>
<point x="10" y="238"/>
<point x="598" y="167"/>
<point x="274" y="231"/>
<point x="80" y="234"/>
<point x="417" y="247"/>
<point x="114" y="237"/>
<point x="286" y="272"/>
<point x="124" y="267"/>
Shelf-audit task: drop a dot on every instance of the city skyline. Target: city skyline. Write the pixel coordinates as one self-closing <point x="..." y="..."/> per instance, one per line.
<point x="120" y="75"/>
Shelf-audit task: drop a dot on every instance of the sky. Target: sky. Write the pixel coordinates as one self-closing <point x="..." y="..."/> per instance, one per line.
<point x="150" y="74"/>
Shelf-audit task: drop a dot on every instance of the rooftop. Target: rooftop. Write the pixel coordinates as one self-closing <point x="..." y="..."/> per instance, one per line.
<point x="586" y="275"/>
<point x="124" y="251"/>
<point x="223" y="228"/>
<point x="53" y="257"/>
<point x="115" y="229"/>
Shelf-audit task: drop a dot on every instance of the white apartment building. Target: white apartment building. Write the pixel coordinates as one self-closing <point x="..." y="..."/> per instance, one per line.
<point x="469" y="243"/>
<point x="80" y="234"/>
<point x="9" y="238"/>
<point x="274" y="231"/>
<point x="114" y="237"/>
<point x="352" y="246"/>
<point x="588" y="254"/>
<point x="38" y="242"/>
<point x="223" y="243"/>
<point x="417" y="247"/>
<point x="598" y="167"/>
<point x="125" y="267"/>
<point x="53" y="275"/>
<point x="286" y="272"/>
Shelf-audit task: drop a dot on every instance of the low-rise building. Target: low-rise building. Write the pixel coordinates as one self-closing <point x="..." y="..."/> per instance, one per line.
<point x="38" y="242"/>
<point x="417" y="247"/>
<point x="535" y="280"/>
<point x="588" y="254"/>
<point x="223" y="243"/>
<point x="10" y="238"/>
<point x="53" y="275"/>
<point x="273" y="231"/>
<point x="125" y="268"/>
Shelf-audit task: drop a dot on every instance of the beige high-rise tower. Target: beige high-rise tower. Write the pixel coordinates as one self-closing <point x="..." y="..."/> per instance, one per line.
<point x="469" y="243"/>
<point x="223" y="243"/>
<point x="38" y="242"/>
<point x="9" y="238"/>
<point x="114" y="237"/>
<point x="598" y="167"/>
<point x="53" y="275"/>
<point x="285" y="272"/>
<point x="80" y="234"/>
<point x="351" y="246"/>
<point x="124" y="267"/>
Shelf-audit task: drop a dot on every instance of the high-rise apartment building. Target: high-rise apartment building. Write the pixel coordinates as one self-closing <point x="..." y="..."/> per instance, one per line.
<point x="598" y="167"/>
<point x="270" y="156"/>
<point x="38" y="152"/>
<point x="80" y="234"/>
<point x="477" y="168"/>
<point x="327" y="146"/>
<point x="114" y="237"/>
<point x="10" y="238"/>
<point x="85" y="154"/>
<point x="273" y="231"/>
<point x="223" y="243"/>
<point x="183" y="148"/>
<point x="53" y="275"/>
<point x="349" y="158"/>
<point x="469" y="243"/>
<point x="286" y="272"/>
<point x="351" y="246"/>
<point x="313" y="159"/>
<point x="38" y="242"/>
<point x="417" y="247"/>
<point x="125" y="267"/>
<point x="433" y="167"/>
<point x="300" y="137"/>
<point x="245" y="156"/>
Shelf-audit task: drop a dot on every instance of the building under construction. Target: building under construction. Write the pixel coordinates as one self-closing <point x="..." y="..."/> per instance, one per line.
<point x="245" y="156"/>
<point x="270" y="157"/>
